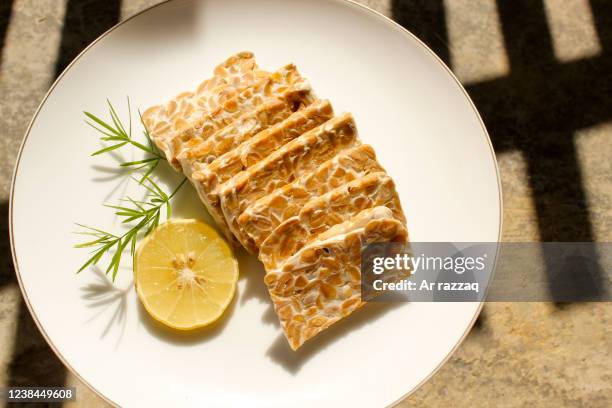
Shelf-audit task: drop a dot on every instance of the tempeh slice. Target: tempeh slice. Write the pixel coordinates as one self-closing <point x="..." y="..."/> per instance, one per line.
<point x="321" y="283"/>
<point x="282" y="83"/>
<point x="249" y="124"/>
<point x="200" y="151"/>
<point x="166" y="121"/>
<point x="259" y="147"/>
<point x="209" y="177"/>
<point x="296" y="158"/>
<point x="320" y="214"/>
<point x="267" y="213"/>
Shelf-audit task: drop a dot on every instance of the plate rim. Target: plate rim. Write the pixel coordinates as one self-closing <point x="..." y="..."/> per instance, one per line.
<point x="348" y="3"/>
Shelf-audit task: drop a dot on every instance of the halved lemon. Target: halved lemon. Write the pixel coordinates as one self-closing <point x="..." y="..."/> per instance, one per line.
<point x="185" y="274"/>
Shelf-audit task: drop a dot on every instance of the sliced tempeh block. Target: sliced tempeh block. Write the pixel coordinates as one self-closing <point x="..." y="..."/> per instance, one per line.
<point x="267" y="213"/>
<point x="256" y="149"/>
<point x="166" y="121"/>
<point x="321" y="283"/>
<point x="202" y="152"/>
<point x="320" y="214"/>
<point x="296" y="158"/>
<point x="209" y="177"/>
<point x="282" y="83"/>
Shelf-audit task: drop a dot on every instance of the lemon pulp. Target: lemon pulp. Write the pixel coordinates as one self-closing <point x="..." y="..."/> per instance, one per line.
<point x="185" y="274"/>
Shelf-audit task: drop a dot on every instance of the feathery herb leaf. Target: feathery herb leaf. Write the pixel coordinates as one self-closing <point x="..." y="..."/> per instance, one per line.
<point x="146" y="214"/>
<point x="116" y="133"/>
<point x="143" y="216"/>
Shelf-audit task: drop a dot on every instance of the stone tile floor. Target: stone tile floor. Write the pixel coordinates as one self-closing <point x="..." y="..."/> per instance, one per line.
<point x="540" y="73"/>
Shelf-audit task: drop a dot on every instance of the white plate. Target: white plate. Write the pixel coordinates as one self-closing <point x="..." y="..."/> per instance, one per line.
<point x="406" y="103"/>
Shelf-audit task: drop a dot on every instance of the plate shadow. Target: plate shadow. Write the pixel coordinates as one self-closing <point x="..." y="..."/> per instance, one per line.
<point x="293" y="361"/>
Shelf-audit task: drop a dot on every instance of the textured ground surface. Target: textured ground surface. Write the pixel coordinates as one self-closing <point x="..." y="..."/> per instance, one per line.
<point x="539" y="72"/>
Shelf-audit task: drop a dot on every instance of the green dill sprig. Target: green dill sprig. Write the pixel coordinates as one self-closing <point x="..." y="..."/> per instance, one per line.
<point x="114" y="135"/>
<point x="146" y="216"/>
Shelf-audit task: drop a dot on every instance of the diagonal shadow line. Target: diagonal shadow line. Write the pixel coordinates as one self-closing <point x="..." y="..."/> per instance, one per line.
<point x="6" y="8"/>
<point x="526" y="34"/>
<point x="572" y="96"/>
<point x="537" y="108"/>
<point x="427" y="20"/>
<point x="600" y="9"/>
<point x="84" y="21"/>
<point x="549" y="94"/>
<point x="7" y="274"/>
<point x="33" y="363"/>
